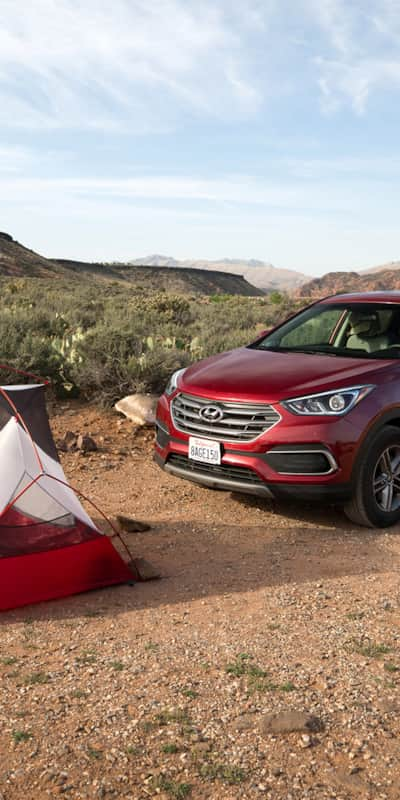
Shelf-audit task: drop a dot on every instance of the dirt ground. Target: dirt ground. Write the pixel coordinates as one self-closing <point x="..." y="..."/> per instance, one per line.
<point x="160" y="689"/>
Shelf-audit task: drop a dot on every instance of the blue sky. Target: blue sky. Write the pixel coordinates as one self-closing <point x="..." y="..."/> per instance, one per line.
<point x="202" y="129"/>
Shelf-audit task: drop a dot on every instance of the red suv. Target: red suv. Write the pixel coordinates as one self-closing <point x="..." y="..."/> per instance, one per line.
<point x="310" y="410"/>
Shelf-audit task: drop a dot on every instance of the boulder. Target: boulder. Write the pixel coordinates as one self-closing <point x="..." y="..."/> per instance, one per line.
<point x="139" y="408"/>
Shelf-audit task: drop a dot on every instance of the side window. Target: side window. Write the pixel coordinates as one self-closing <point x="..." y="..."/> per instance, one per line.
<point x="369" y="322"/>
<point x="385" y="317"/>
<point x="317" y="330"/>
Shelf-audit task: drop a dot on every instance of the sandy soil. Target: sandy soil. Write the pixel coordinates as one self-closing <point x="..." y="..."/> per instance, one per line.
<point x="159" y="689"/>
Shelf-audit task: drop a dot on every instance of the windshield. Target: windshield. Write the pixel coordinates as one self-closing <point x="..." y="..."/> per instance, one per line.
<point x="355" y="330"/>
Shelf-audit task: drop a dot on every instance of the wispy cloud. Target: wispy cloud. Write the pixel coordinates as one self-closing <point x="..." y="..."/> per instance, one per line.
<point x="363" y="55"/>
<point x="126" y="63"/>
<point x="236" y="95"/>
<point x="143" y="66"/>
<point x="336" y="18"/>
<point x="355" y="83"/>
<point x="303" y="187"/>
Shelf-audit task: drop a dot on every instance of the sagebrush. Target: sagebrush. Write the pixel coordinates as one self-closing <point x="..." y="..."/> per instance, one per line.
<point x="104" y="340"/>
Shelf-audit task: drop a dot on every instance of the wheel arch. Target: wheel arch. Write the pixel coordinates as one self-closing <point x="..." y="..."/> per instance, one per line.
<point x="390" y="418"/>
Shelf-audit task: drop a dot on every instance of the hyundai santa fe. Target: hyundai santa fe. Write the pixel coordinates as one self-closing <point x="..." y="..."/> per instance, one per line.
<point x="310" y="410"/>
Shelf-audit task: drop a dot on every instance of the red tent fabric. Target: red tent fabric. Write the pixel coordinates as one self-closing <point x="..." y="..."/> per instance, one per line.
<point x="49" y="546"/>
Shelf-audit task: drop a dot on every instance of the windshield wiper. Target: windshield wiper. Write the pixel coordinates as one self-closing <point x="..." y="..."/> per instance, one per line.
<point x="339" y="352"/>
<point x="308" y="350"/>
<point x="319" y="352"/>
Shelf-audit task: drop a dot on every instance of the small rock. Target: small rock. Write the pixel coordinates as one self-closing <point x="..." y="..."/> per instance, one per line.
<point x="351" y="781"/>
<point x="68" y="442"/>
<point x="201" y="748"/>
<point x="387" y="706"/>
<point x="245" y="722"/>
<point x="144" y="569"/>
<point x="289" y="721"/>
<point x="85" y="443"/>
<point x="130" y="525"/>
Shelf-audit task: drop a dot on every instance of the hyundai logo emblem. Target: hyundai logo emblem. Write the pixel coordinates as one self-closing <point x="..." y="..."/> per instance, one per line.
<point x="211" y="413"/>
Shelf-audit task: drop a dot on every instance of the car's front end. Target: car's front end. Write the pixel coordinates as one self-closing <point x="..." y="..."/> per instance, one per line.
<point x="274" y="421"/>
<point x="255" y="446"/>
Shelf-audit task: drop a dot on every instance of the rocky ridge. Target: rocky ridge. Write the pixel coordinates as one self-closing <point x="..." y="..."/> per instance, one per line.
<point x="342" y="282"/>
<point x="17" y="261"/>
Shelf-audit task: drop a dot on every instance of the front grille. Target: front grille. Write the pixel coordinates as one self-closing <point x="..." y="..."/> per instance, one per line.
<point x="224" y="471"/>
<point x="240" y="422"/>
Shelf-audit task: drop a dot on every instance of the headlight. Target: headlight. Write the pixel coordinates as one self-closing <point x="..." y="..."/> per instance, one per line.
<point x="173" y="381"/>
<point x="336" y="402"/>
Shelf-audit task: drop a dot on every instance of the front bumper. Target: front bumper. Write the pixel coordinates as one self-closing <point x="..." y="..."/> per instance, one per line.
<point x="229" y="482"/>
<point x="230" y="479"/>
<point x="302" y="460"/>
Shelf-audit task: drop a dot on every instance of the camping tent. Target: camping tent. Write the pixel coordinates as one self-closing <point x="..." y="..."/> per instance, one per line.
<point x="49" y="546"/>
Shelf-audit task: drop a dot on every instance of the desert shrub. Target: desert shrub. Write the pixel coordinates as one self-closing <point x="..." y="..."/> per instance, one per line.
<point x="110" y="339"/>
<point x="25" y="342"/>
<point x="276" y="298"/>
<point x="116" y="360"/>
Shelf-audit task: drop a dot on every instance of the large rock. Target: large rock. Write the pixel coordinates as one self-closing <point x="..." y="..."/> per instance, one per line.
<point x="140" y="408"/>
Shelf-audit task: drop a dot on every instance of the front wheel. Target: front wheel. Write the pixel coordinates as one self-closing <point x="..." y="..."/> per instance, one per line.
<point x="376" y="499"/>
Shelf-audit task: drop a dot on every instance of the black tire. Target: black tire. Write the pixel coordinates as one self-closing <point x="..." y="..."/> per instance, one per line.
<point x="376" y="495"/>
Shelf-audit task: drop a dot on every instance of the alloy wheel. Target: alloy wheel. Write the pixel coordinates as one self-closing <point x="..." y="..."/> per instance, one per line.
<point x="386" y="480"/>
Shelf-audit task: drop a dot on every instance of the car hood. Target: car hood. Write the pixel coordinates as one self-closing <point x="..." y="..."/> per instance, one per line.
<point x="265" y="376"/>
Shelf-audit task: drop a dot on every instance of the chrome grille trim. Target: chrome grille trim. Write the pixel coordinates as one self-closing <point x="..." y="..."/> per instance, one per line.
<point x="242" y="422"/>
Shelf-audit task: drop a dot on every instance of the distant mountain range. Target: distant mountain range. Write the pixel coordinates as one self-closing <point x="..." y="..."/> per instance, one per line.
<point x="260" y="273"/>
<point x="227" y="276"/>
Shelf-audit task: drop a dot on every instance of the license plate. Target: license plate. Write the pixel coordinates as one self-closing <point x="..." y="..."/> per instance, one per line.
<point x="204" y="450"/>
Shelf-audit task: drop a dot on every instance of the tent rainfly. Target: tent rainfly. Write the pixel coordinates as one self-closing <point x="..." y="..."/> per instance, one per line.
<point x="49" y="546"/>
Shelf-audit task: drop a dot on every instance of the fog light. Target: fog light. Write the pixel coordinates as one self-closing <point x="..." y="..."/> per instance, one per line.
<point x="337" y="402"/>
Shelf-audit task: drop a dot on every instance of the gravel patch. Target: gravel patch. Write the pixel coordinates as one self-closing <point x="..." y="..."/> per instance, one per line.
<point x="203" y="684"/>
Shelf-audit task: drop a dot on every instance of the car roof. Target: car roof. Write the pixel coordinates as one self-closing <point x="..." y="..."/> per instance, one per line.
<point x="364" y="297"/>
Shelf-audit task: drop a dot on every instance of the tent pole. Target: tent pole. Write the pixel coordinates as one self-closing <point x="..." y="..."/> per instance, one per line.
<point x="99" y="511"/>
<point x="21" y="420"/>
